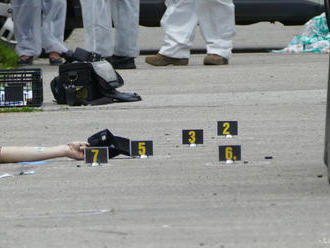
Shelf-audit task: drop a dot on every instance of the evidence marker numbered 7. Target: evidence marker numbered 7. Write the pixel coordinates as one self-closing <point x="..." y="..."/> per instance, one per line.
<point x="230" y="153"/>
<point x="96" y="155"/>
<point x="192" y="137"/>
<point x="142" y="148"/>
<point x="227" y="128"/>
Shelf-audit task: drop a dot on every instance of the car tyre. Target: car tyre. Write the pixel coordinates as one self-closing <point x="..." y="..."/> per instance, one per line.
<point x="6" y="24"/>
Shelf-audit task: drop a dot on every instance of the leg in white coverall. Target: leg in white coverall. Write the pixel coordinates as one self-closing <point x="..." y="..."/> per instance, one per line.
<point x="39" y="24"/>
<point x="97" y="16"/>
<point x="216" y="19"/>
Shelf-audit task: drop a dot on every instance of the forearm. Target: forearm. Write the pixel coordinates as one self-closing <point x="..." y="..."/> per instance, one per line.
<point x="12" y="154"/>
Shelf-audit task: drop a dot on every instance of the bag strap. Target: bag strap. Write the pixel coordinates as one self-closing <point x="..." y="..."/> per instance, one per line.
<point x="122" y="96"/>
<point x="58" y="90"/>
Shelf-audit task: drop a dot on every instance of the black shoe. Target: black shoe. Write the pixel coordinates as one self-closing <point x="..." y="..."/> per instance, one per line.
<point x="121" y="62"/>
<point x="54" y="61"/>
<point x="25" y="61"/>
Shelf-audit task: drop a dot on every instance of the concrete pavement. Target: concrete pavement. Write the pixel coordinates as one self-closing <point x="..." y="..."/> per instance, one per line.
<point x="182" y="196"/>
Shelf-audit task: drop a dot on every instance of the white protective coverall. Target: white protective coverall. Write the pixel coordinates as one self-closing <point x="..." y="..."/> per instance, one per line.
<point x="97" y="16"/>
<point x="216" y="19"/>
<point x="39" y="24"/>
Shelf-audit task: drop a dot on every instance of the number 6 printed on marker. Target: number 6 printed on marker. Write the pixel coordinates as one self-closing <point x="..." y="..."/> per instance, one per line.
<point x="229" y="153"/>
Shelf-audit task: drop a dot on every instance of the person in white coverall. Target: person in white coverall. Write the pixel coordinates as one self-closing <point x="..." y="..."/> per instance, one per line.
<point x="97" y="19"/>
<point x="216" y="19"/>
<point x="39" y="24"/>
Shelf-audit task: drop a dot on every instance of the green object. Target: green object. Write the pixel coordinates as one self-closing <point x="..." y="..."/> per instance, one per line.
<point x="315" y="38"/>
<point x="8" y="57"/>
<point x="21" y="109"/>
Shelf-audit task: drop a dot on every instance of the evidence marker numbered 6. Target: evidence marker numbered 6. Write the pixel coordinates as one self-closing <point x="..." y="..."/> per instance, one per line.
<point x="227" y="128"/>
<point x="230" y="153"/>
<point x="141" y="148"/>
<point x="192" y="137"/>
<point x="96" y="155"/>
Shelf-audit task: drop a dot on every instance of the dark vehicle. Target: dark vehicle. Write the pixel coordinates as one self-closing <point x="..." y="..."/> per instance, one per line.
<point x="288" y="12"/>
<point x="327" y="123"/>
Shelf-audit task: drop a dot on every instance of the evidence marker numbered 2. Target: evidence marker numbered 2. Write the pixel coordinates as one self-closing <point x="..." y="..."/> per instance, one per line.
<point x="192" y="137"/>
<point x="141" y="148"/>
<point x="230" y="153"/>
<point x="227" y="128"/>
<point x="96" y="155"/>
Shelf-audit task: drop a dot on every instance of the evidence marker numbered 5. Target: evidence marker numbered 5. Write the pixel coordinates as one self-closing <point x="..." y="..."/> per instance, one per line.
<point x="140" y="148"/>
<point x="96" y="155"/>
<point x="227" y="128"/>
<point x="193" y="136"/>
<point x="230" y="153"/>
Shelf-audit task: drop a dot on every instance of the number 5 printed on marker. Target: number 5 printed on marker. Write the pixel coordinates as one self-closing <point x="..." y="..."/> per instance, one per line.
<point x="142" y="148"/>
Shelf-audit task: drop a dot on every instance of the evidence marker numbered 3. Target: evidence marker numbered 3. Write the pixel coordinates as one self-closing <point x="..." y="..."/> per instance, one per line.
<point x="227" y="128"/>
<point x="96" y="155"/>
<point x="192" y="137"/>
<point x="230" y="153"/>
<point x="142" y="148"/>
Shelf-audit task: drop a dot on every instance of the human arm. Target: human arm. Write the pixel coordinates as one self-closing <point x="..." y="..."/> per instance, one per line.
<point x="12" y="154"/>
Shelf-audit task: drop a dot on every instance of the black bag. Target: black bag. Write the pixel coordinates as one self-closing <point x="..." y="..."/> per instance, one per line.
<point x="76" y="85"/>
<point x="84" y="83"/>
<point x="78" y="80"/>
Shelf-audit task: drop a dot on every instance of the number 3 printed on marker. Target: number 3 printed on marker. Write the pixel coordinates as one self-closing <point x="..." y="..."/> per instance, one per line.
<point x="192" y="138"/>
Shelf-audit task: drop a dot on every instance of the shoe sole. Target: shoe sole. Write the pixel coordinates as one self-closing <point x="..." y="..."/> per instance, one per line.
<point x="124" y="67"/>
<point x="26" y="62"/>
<point x="166" y="63"/>
<point x="211" y="63"/>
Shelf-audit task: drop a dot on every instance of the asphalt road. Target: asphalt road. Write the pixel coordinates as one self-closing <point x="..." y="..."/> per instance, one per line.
<point x="182" y="196"/>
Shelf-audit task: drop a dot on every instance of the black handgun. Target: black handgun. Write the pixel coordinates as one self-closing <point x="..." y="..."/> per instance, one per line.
<point x="117" y="145"/>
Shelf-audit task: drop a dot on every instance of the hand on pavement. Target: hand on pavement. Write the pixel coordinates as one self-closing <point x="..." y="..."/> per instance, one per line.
<point x="76" y="150"/>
